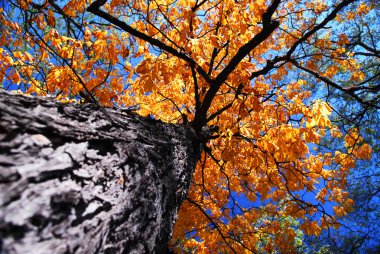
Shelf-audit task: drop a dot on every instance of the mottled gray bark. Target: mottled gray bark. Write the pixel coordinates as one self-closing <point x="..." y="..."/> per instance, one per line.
<point x="79" y="179"/>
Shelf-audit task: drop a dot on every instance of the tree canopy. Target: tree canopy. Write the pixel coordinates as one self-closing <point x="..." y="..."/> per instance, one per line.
<point x="255" y="80"/>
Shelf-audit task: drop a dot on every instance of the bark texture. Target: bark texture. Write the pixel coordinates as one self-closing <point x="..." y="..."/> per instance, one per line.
<point x="79" y="179"/>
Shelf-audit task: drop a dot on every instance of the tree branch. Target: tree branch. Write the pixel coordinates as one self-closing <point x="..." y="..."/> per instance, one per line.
<point x="331" y="83"/>
<point x="268" y="27"/>
<point x="95" y="9"/>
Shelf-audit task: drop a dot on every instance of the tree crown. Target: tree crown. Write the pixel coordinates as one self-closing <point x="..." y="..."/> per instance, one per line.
<point x="247" y="67"/>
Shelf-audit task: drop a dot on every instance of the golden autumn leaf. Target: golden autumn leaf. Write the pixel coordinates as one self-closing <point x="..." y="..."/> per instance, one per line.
<point x="50" y="18"/>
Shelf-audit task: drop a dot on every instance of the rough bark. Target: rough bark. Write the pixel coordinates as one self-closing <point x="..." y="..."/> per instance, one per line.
<point x="79" y="179"/>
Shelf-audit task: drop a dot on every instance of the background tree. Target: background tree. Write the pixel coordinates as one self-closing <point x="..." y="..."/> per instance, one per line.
<point x="358" y="231"/>
<point x="236" y="71"/>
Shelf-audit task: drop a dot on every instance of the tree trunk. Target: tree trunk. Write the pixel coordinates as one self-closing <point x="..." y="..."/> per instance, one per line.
<point x="83" y="179"/>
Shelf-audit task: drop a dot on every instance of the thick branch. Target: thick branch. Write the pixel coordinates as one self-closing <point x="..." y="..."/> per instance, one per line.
<point x="95" y="9"/>
<point x="268" y="27"/>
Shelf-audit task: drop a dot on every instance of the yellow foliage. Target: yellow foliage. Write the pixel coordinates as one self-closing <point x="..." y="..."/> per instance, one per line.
<point x="174" y="65"/>
<point x="311" y="228"/>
